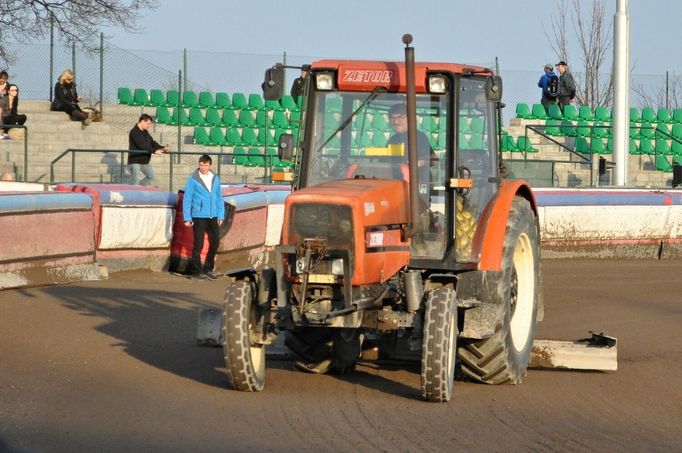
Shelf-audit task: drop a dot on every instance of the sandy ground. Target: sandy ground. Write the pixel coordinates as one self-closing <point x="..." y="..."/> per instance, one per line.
<point x="113" y="366"/>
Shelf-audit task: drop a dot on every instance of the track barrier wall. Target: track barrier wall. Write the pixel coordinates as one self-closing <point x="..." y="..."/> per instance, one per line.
<point x="62" y="236"/>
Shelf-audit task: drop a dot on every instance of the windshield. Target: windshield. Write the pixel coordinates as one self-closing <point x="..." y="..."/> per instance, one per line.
<point x="365" y="135"/>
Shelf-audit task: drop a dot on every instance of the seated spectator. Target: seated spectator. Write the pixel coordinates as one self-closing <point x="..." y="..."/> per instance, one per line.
<point x="66" y="99"/>
<point x="3" y="83"/>
<point x="9" y="104"/>
<point x="7" y="176"/>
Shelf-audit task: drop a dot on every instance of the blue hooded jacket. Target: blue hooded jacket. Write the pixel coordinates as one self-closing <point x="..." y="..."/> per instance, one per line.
<point x="200" y="202"/>
<point x="544" y="83"/>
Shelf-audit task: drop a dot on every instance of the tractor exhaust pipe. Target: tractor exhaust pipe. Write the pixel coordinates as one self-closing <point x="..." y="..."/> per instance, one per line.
<point x="412" y="135"/>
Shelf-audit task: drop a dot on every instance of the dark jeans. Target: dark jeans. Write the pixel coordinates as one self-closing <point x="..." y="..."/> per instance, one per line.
<point x="545" y="101"/>
<point x="564" y="101"/>
<point x="200" y="227"/>
<point x="18" y="119"/>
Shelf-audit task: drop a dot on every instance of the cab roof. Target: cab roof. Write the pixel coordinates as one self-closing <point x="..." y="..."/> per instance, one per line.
<point x="364" y="75"/>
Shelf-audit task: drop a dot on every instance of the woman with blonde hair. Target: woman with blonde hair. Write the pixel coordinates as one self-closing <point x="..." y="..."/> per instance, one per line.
<point x="66" y="98"/>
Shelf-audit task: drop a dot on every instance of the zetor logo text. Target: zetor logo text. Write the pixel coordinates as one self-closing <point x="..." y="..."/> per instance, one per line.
<point x="367" y="76"/>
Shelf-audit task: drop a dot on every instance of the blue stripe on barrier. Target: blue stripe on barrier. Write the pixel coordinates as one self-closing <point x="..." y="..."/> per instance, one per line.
<point x="588" y="197"/>
<point x="138" y="198"/>
<point x="244" y="201"/>
<point x="48" y="201"/>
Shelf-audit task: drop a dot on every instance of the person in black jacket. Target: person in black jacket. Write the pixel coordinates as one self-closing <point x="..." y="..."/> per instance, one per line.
<point x="66" y="98"/>
<point x="9" y="105"/>
<point x="143" y="145"/>
<point x="567" y="88"/>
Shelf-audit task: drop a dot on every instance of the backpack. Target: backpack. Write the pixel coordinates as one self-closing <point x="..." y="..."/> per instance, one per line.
<point x="553" y="86"/>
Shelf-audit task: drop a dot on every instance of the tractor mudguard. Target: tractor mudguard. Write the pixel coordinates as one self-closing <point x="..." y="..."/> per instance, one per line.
<point x="492" y="225"/>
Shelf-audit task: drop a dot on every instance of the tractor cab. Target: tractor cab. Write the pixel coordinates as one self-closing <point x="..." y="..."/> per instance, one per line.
<point x="354" y="126"/>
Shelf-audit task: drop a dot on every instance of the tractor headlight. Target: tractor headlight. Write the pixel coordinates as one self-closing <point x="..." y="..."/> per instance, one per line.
<point x="337" y="266"/>
<point x="324" y="81"/>
<point x="437" y="84"/>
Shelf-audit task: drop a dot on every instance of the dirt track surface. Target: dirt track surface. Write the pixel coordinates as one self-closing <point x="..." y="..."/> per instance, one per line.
<point x="113" y="366"/>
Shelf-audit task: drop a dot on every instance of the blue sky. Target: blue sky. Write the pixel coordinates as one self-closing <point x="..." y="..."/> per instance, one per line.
<point x="472" y="32"/>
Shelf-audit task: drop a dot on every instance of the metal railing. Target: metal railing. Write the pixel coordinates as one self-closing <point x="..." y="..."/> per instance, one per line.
<point x="221" y="161"/>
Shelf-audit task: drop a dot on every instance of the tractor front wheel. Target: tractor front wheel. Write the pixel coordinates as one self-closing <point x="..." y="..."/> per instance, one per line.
<point x="244" y="355"/>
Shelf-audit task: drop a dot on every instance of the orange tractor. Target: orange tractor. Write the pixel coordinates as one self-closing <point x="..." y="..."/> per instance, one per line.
<point x="400" y="232"/>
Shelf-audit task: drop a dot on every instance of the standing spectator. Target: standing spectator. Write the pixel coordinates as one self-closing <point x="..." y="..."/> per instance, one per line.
<point x="203" y="209"/>
<point x="66" y="98"/>
<point x="549" y="82"/>
<point x="566" y="85"/>
<point x="9" y="104"/>
<point x="298" y="86"/>
<point x="4" y="76"/>
<point x="140" y="141"/>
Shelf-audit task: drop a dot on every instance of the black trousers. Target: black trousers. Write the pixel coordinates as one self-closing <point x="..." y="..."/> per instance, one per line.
<point x="201" y="227"/>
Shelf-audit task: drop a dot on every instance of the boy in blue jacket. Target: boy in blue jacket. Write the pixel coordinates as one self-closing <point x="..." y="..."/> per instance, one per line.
<point x="204" y="211"/>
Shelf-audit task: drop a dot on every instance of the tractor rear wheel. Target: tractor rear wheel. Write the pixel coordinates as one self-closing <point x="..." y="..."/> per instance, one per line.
<point x="503" y="358"/>
<point x="439" y="345"/>
<point x="244" y="355"/>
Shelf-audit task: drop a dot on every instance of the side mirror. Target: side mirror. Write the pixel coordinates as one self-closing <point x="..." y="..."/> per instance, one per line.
<point x="493" y="88"/>
<point x="285" y="147"/>
<point x="273" y="83"/>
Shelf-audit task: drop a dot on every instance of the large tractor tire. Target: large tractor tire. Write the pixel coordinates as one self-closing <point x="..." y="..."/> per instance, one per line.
<point x="503" y="358"/>
<point x="439" y="345"/>
<point x="325" y="350"/>
<point x="244" y="355"/>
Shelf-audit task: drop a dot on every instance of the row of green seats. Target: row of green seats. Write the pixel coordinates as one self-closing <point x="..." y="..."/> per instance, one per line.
<point x="227" y="117"/>
<point x="598" y="129"/>
<point x="233" y="136"/>
<point x="205" y="99"/>
<point x="647" y="116"/>
<point x="259" y="157"/>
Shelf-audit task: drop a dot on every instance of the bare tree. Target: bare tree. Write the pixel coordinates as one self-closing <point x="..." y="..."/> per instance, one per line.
<point x="668" y="94"/>
<point x="593" y="37"/>
<point x="77" y="21"/>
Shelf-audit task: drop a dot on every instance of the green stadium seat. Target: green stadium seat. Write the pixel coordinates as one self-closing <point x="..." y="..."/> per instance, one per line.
<point x="663" y="147"/>
<point x="570" y="112"/>
<point x="602" y="113"/>
<point x="279" y="119"/>
<point x="538" y="112"/>
<point x="632" y="147"/>
<point x="599" y="147"/>
<point x="230" y="118"/>
<point x="647" y="130"/>
<point x="196" y="117"/>
<point x="249" y="136"/>
<point x="163" y="116"/>
<point x="241" y="156"/>
<point x="179" y="116"/>
<point x="140" y="97"/>
<point x="662" y="164"/>
<point x="677" y="131"/>
<point x="477" y="125"/>
<point x="465" y="144"/>
<point x="523" y="111"/>
<point x="256" y="158"/>
<point x="634" y="132"/>
<point x="125" y="96"/>
<point x="239" y="101"/>
<point x="428" y="124"/>
<point x="289" y="103"/>
<point x="677" y="116"/>
<point x="334" y="104"/>
<point x="600" y="130"/>
<point x="217" y="137"/>
<point x="172" y="98"/>
<point x="676" y="147"/>
<point x="256" y="101"/>
<point x="262" y="117"/>
<point x="635" y="116"/>
<point x="233" y="137"/>
<point x="583" y="129"/>
<point x="201" y="136"/>
<point x="663" y="115"/>
<point x="266" y="137"/>
<point x="156" y="98"/>
<point x="508" y="144"/>
<point x="553" y="128"/>
<point x="646" y="146"/>
<point x="189" y="99"/>
<point x="568" y="128"/>
<point x="648" y="115"/>
<point x="582" y="146"/>
<point x="677" y="159"/>
<point x="213" y="117"/>
<point x="222" y="100"/>
<point x="554" y="112"/>
<point x="524" y="144"/>
<point x="379" y="139"/>
<point x="246" y="119"/>
<point x="585" y="113"/>
<point x="274" y="105"/>
<point x="476" y="142"/>
<point x="206" y="100"/>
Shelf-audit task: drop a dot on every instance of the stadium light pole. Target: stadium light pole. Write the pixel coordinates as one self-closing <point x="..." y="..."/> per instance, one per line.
<point x="621" y="90"/>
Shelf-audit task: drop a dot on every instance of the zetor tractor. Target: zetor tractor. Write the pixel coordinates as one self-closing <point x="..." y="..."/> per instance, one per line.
<point x="405" y="241"/>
